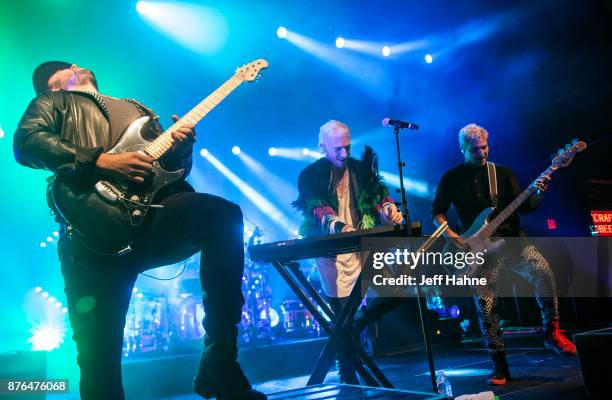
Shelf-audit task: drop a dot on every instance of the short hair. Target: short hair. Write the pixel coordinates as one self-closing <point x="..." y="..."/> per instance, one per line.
<point x="329" y="127"/>
<point x="472" y="132"/>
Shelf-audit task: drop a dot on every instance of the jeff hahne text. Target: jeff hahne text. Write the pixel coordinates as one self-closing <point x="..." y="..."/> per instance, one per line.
<point x="401" y="259"/>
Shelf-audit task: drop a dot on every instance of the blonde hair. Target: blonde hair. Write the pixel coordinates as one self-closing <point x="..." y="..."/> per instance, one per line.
<point x="330" y="126"/>
<point x="471" y="133"/>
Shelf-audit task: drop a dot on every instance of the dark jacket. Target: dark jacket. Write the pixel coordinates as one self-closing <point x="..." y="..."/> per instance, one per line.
<point x="318" y="200"/>
<point x="68" y="130"/>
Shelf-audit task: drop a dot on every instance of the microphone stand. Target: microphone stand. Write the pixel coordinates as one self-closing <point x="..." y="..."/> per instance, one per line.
<point x="421" y="301"/>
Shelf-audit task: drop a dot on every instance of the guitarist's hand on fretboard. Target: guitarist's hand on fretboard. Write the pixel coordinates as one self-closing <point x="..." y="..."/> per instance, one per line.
<point x="184" y="137"/>
<point x="542" y="184"/>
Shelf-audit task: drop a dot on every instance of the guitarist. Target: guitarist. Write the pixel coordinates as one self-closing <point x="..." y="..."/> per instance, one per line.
<point x="68" y="128"/>
<point x="466" y="187"/>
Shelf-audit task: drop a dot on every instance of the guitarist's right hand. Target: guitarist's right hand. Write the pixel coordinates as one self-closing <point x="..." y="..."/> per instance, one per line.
<point x="133" y="166"/>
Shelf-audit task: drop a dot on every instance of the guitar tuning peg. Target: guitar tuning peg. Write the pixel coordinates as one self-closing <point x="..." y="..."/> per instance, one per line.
<point x="567" y="147"/>
<point x="575" y="141"/>
<point x="560" y="151"/>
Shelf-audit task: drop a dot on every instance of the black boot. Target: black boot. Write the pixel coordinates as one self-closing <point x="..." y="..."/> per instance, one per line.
<point x="501" y="372"/>
<point x="219" y="374"/>
<point x="346" y="370"/>
<point x="375" y="310"/>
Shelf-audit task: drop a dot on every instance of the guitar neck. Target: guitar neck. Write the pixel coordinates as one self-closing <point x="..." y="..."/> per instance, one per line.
<point x="158" y="147"/>
<point x="512" y="207"/>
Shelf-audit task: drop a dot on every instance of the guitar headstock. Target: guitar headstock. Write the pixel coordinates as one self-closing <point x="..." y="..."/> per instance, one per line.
<point x="251" y="71"/>
<point x="564" y="157"/>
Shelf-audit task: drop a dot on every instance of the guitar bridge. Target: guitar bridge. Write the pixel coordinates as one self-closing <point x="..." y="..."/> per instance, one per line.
<point x="108" y="191"/>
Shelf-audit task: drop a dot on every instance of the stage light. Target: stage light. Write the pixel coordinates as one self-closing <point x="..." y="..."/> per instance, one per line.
<point x="340" y="42"/>
<point x="56" y="233"/>
<point x="143" y="7"/>
<point x="45" y="294"/>
<point x="312" y="153"/>
<point x="253" y="195"/>
<point x="1" y="132"/>
<point x="281" y="32"/>
<point x="413" y="186"/>
<point x="283" y="191"/>
<point x="47" y="337"/>
<point x="49" y="239"/>
<point x="428" y="58"/>
<point x="386" y="51"/>
<point x="236" y="150"/>
<point x="204" y="152"/>
<point x="197" y="27"/>
<point x="38" y="289"/>
<point x="43" y="244"/>
<point x="272" y="151"/>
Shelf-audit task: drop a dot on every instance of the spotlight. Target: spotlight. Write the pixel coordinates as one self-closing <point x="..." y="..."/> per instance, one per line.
<point x="56" y="233"/>
<point x="428" y="58"/>
<point x="386" y="51"/>
<point x="236" y="150"/>
<point x="305" y="151"/>
<point x="47" y="337"/>
<point x="38" y="289"/>
<point x="143" y="7"/>
<point x="340" y="42"/>
<point x="45" y="294"/>
<point x="49" y="239"/>
<point x="43" y="244"/>
<point x="281" y="32"/>
<point x="204" y="152"/>
<point x="272" y="151"/>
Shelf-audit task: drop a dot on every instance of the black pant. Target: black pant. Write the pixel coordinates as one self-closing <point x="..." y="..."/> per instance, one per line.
<point x="98" y="288"/>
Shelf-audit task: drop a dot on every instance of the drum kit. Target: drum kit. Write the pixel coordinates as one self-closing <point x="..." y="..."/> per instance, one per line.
<point x="172" y="322"/>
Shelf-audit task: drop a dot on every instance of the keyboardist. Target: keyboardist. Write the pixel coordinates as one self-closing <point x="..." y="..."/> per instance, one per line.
<point x="338" y="193"/>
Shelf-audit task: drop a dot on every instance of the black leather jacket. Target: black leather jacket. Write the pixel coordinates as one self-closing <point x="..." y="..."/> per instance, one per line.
<point x="68" y="130"/>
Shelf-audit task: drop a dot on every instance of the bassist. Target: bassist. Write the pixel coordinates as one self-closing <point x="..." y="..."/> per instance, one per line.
<point x="467" y="188"/>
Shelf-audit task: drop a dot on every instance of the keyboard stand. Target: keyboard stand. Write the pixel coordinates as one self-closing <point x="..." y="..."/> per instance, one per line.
<point x="338" y="328"/>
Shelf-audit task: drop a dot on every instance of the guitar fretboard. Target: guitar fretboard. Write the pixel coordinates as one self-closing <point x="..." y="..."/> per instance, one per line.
<point x="512" y="207"/>
<point x="158" y="147"/>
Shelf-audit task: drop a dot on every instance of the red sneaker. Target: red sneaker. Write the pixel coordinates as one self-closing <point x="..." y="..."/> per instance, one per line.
<point x="557" y="341"/>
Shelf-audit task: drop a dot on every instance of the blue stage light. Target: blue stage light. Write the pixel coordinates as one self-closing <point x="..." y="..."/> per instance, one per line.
<point x="236" y="150"/>
<point x="340" y="42"/>
<point x="428" y="59"/>
<point x="386" y="51"/>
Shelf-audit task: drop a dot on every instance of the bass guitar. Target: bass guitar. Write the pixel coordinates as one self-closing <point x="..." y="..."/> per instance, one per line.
<point x="478" y="236"/>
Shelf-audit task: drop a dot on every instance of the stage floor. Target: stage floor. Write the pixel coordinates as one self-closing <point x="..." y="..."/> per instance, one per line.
<point x="537" y="373"/>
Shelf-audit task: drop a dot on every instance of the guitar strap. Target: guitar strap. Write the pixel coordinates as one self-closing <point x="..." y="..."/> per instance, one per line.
<point x="492" y="183"/>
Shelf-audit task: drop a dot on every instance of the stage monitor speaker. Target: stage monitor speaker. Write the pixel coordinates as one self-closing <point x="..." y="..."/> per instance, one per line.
<point x="594" y="353"/>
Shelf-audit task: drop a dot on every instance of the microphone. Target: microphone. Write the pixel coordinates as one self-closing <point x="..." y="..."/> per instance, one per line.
<point x="396" y="123"/>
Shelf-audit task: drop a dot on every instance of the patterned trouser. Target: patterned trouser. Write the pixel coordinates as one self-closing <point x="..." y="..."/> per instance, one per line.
<point x="531" y="265"/>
